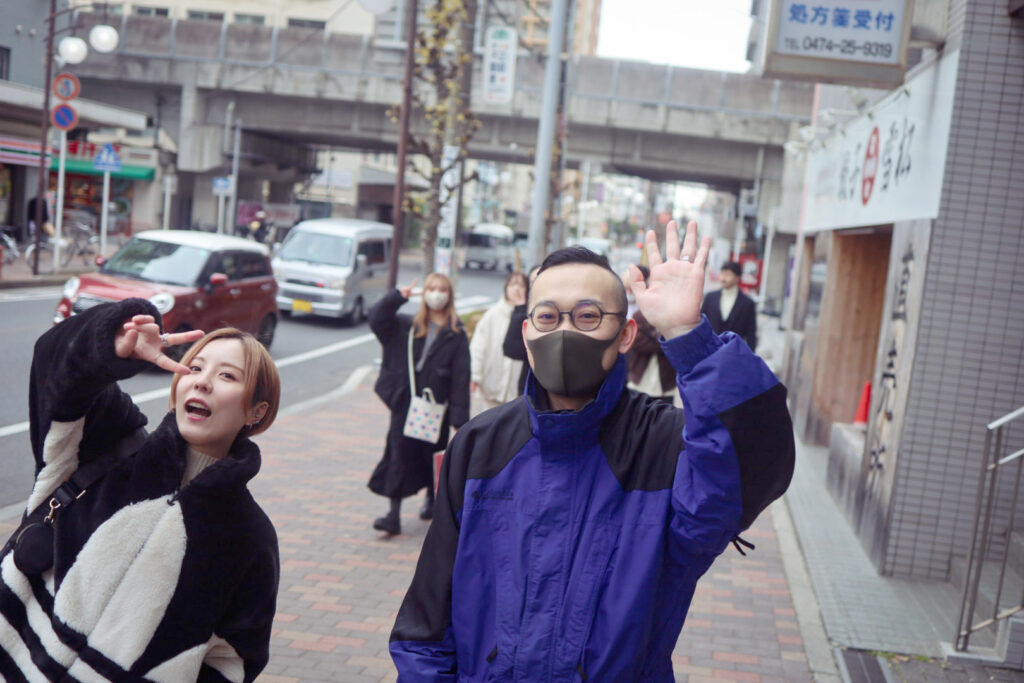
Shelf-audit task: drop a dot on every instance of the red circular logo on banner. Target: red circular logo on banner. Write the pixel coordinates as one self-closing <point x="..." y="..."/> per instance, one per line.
<point x="870" y="169"/>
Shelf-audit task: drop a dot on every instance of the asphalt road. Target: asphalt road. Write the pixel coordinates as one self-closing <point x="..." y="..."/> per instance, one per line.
<point x="315" y="356"/>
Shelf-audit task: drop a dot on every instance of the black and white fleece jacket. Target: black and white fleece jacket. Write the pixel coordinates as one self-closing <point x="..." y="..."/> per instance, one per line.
<point x="152" y="582"/>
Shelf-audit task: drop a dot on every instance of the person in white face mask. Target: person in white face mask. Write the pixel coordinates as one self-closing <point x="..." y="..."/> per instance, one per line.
<point x="440" y="360"/>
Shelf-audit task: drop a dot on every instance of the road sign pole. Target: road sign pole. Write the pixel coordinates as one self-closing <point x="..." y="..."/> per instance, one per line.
<point x="104" y="213"/>
<point x="220" y="214"/>
<point x="58" y="219"/>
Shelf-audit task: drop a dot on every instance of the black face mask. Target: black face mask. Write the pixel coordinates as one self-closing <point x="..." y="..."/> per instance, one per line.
<point x="568" y="363"/>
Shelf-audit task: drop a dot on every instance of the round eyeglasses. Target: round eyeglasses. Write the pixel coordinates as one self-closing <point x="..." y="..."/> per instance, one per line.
<point x="585" y="316"/>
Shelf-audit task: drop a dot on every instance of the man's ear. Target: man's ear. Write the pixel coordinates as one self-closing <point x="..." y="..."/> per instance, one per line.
<point x="628" y="336"/>
<point x="529" y="356"/>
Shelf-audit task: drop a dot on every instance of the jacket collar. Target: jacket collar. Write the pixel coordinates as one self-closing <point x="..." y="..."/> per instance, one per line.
<point x="584" y="425"/>
<point x="164" y="453"/>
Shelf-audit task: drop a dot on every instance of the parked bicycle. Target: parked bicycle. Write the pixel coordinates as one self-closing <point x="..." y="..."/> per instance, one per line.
<point x="81" y="241"/>
<point x="10" y="244"/>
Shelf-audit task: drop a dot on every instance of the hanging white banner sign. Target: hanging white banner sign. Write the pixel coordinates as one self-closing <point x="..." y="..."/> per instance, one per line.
<point x="888" y="165"/>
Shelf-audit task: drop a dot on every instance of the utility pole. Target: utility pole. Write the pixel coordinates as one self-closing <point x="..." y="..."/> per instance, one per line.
<point x="44" y="171"/>
<point x="546" y="132"/>
<point x="397" y="210"/>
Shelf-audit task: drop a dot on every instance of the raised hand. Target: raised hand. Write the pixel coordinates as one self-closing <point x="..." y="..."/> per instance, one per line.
<point x="140" y="338"/>
<point x="406" y="291"/>
<point x="671" y="298"/>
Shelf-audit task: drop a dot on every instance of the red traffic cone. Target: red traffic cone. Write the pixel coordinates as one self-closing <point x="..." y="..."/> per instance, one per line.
<point x="863" y="405"/>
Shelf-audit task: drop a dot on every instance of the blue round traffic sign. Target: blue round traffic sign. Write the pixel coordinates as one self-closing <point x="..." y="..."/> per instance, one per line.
<point x="66" y="86"/>
<point x="64" y="116"/>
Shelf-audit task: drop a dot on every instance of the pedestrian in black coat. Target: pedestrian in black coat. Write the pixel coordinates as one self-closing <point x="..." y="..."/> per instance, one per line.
<point x="441" y="358"/>
<point x="740" y="312"/>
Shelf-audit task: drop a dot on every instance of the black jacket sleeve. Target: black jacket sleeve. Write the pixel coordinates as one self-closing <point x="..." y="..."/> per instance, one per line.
<point x="74" y="375"/>
<point x="513" y="346"/>
<point x="384" y="316"/>
<point x="459" y="407"/>
<point x="749" y="331"/>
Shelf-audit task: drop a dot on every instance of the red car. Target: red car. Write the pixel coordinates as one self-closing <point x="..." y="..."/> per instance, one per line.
<point x="197" y="280"/>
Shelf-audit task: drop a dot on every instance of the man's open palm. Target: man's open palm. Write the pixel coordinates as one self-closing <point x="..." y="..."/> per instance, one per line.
<point x="671" y="298"/>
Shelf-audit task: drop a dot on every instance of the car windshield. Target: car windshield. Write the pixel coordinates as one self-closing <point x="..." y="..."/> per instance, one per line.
<point x="317" y="247"/>
<point x="163" y="262"/>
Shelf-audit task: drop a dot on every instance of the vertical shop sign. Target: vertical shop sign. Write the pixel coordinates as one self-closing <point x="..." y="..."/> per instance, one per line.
<point x="500" y="48"/>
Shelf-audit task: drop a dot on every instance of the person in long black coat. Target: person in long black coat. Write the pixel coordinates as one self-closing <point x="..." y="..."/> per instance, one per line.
<point x="441" y="356"/>
<point x="740" y="311"/>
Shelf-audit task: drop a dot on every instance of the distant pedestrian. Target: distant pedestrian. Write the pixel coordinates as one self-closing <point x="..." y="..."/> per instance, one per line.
<point x="440" y="353"/>
<point x="729" y="309"/>
<point x="514" y="347"/>
<point x="156" y="563"/>
<point x="647" y="368"/>
<point x="494" y="376"/>
<point x="35" y="204"/>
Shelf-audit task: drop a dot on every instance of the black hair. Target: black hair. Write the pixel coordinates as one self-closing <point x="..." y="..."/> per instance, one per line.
<point x="734" y="267"/>
<point x="645" y="271"/>
<point x="582" y="255"/>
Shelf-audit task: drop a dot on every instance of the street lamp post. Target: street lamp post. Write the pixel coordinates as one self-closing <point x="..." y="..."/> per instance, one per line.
<point x="103" y="38"/>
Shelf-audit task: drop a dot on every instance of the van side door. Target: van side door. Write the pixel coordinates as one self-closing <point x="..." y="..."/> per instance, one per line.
<point x="373" y="278"/>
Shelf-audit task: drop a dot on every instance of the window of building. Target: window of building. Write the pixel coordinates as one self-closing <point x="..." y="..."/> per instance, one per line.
<point x="307" y="23"/>
<point x="108" y="7"/>
<point x="5" y="63"/>
<point x="257" y="19"/>
<point x="203" y="15"/>
<point x="151" y="11"/>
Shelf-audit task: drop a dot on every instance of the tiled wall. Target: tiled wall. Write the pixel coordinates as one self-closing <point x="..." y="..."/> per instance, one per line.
<point x="969" y="365"/>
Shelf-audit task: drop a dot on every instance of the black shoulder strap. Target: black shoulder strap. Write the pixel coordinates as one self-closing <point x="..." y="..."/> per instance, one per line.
<point x="88" y="474"/>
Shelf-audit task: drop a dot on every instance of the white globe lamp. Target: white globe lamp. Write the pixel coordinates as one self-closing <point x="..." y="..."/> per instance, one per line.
<point x="72" y="49"/>
<point x="103" y="38"/>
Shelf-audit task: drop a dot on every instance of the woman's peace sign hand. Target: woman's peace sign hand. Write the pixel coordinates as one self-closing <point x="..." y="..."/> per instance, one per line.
<point x="140" y="338"/>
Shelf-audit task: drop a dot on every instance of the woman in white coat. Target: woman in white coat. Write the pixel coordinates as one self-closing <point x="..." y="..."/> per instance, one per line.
<point x="494" y="377"/>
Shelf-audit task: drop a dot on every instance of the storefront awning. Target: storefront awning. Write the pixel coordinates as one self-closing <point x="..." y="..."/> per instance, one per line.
<point x="84" y="167"/>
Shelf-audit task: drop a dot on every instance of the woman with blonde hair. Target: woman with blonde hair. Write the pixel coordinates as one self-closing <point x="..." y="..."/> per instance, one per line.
<point x="436" y="343"/>
<point x="142" y="556"/>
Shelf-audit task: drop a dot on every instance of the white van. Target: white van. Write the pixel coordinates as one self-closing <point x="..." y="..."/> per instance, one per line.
<point x="333" y="267"/>
<point x="491" y="246"/>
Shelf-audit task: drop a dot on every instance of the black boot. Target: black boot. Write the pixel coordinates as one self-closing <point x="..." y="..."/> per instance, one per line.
<point x="391" y="525"/>
<point x="427" y="511"/>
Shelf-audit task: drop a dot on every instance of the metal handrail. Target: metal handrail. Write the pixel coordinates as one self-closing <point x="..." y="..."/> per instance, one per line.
<point x="984" y="505"/>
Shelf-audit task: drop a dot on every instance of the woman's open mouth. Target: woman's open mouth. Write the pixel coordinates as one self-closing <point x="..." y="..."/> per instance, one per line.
<point x="197" y="410"/>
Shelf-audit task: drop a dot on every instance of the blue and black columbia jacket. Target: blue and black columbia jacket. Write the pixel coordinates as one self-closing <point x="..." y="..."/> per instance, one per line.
<point x="567" y="545"/>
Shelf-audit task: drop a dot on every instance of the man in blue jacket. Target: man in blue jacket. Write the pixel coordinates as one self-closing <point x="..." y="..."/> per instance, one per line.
<point x="571" y="525"/>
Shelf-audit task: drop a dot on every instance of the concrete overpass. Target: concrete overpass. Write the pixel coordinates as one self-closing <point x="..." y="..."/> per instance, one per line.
<point x="300" y="87"/>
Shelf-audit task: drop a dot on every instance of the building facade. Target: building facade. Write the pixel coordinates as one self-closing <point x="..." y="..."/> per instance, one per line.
<point x="907" y="277"/>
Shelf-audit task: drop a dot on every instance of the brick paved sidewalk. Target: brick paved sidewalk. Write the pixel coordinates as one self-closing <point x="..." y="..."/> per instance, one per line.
<point x="342" y="582"/>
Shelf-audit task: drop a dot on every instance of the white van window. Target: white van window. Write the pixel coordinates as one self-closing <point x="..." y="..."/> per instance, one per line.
<point x="374" y="251"/>
<point x="315" y="247"/>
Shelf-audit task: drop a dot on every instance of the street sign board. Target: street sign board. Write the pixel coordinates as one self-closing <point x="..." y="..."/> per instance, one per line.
<point x="222" y="185"/>
<point x="64" y="117"/>
<point x="500" y="48"/>
<point x="856" y="42"/>
<point x="107" y="160"/>
<point x="66" y="86"/>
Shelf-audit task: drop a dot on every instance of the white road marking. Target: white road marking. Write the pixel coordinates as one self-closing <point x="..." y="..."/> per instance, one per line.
<point x="30" y="294"/>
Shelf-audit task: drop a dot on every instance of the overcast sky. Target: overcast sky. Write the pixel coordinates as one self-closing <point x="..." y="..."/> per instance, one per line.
<point x="701" y="34"/>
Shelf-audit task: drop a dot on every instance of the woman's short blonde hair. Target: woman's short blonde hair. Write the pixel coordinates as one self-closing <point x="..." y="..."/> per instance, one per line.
<point x="262" y="382"/>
